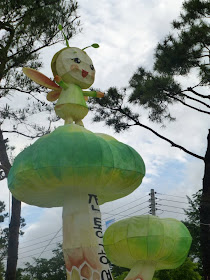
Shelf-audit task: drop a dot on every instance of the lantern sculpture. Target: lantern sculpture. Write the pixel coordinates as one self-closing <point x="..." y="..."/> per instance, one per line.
<point x="73" y="71"/>
<point x="78" y="170"/>
<point x="147" y="243"/>
<point x="75" y="168"/>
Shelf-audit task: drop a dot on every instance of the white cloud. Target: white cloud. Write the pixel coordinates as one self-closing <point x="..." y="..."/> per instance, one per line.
<point x="47" y="230"/>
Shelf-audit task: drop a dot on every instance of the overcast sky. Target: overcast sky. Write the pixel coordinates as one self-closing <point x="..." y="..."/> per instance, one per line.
<point x="127" y="32"/>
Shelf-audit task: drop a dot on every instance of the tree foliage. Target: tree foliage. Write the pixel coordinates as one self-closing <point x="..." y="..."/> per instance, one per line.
<point x="178" y="54"/>
<point x="27" y="27"/>
<point x="182" y="53"/>
<point x="187" y="271"/>
<point x="193" y="224"/>
<point x="3" y="238"/>
<point x="45" y="269"/>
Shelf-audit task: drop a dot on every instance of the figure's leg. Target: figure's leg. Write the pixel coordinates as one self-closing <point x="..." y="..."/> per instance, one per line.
<point x="69" y="120"/>
<point x="79" y="122"/>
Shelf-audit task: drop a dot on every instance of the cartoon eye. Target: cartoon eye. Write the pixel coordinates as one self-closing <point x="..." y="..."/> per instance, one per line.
<point x="91" y="67"/>
<point x="76" y="59"/>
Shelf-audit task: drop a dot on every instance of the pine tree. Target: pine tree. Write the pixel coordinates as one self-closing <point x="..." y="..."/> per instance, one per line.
<point x="185" y="51"/>
<point x="192" y="222"/>
<point x="45" y="269"/>
<point x="26" y="27"/>
<point x="3" y="239"/>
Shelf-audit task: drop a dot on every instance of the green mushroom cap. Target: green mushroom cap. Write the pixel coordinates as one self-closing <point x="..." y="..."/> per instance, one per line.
<point x="164" y="242"/>
<point x="73" y="160"/>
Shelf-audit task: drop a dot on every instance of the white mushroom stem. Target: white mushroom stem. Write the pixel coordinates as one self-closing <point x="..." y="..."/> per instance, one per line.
<point x="142" y="271"/>
<point x="83" y="249"/>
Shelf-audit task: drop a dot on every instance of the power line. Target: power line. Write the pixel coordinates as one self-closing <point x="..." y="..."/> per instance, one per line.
<point x="118" y="214"/>
<point x="39" y="248"/>
<point x="48" y="244"/>
<point x="130" y="203"/>
<point x="123" y="210"/>
<point x="145" y="213"/>
<point x="170" y="211"/>
<point x="39" y="237"/>
<point x="37" y="243"/>
<point x="109" y="213"/>
<point x="130" y="215"/>
<point x="171" y="195"/>
<point x="42" y="246"/>
<point x="173" y="200"/>
<point x="34" y="255"/>
<point x="169" y="206"/>
<point x="101" y="212"/>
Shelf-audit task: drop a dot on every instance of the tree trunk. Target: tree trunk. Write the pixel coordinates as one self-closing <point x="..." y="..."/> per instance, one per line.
<point x="14" y="226"/>
<point x="205" y="215"/>
<point x="13" y="240"/>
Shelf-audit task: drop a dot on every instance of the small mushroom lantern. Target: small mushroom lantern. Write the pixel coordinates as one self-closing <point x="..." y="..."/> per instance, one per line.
<point x="78" y="170"/>
<point x="147" y="243"/>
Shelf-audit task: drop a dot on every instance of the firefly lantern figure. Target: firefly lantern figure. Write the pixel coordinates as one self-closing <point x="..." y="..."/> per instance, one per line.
<point x="73" y="71"/>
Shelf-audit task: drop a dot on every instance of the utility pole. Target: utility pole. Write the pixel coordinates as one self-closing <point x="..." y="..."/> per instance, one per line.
<point x="152" y="202"/>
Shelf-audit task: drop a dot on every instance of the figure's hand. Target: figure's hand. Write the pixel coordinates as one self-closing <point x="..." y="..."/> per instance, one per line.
<point x="99" y="94"/>
<point x="57" y="79"/>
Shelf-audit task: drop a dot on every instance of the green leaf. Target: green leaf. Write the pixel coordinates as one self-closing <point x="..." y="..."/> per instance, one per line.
<point x="95" y="46"/>
<point x="60" y="27"/>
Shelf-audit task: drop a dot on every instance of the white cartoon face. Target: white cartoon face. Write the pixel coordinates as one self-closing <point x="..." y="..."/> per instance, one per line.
<point x="75" y="66"/>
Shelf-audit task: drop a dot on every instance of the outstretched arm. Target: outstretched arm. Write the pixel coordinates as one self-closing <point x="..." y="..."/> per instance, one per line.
<point x="61" y="83"/>
<point x="93" y="94"/>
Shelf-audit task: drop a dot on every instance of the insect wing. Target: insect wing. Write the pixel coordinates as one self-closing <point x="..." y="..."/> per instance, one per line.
<point x="40" y="78"/>
<point x="53" y="95"/>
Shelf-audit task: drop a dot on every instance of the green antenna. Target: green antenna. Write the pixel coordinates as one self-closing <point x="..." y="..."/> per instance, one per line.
<point x="60" y="27"/>
<point x="93" y="46"/>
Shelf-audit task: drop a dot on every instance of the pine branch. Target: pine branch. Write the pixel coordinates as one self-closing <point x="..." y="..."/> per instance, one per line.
<point x="24" y="91"/>
<point x="17" y="64"/>
<point x="195" y="99"/>
<point x="171" y="142"/>
<point x="37" y="99"/>
<point x="192" y="107"/>
<point x="3" y="155"/>
<point x="4" y="168"/>
<point x="206" y="55"/>
<point x="3" y="177"/>
<point x="23" y="134"/>
<point x="45" y="45"/>
<point x="198" y="94"/>
<point x="14" y="88"/>
<point x="137" y="123"/>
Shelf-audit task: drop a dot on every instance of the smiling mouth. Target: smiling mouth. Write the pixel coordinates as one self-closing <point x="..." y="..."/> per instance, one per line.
<point x="84" y="73"/>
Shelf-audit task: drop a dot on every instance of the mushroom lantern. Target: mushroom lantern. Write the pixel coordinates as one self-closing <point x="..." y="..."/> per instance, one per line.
<point x="77" y="169"/>
<point x="147" y="243"/>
